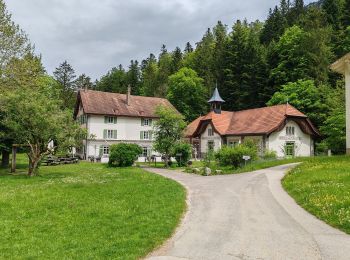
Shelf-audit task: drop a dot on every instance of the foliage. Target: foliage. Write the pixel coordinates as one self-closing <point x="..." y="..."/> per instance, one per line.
<point x="209" y="157"/>
<point x="168" y="130"/>
<point x="87" y="203"/>
<point x="187" y="94"/>
<point x="306" y="97"/>
<point x="83" y="82"/>
<point x="233" y="156"/>
<point x="185" y="149"/>
<point x="34" y="119"/>
<point x="65" y="76"/>
<point x="321" y="186"/>
<point x="270" y="155"/>
<point x="123" y="154"/>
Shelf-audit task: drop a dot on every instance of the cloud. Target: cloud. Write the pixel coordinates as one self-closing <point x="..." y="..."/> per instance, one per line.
<point x="96" y="35"/>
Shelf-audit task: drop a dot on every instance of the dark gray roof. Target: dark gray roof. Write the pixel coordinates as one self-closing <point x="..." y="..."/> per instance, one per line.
<point x="216" y="97"/>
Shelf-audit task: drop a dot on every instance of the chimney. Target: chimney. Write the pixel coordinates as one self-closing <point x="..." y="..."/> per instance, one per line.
<point x="128" y="96"/>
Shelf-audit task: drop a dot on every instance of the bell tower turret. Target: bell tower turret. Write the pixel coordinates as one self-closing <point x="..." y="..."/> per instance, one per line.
<point x="216" y="102"/>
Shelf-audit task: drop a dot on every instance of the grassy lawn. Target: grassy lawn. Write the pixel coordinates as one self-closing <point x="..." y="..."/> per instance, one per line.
<point x="322" y="187"/>
<point x="86" y="211"/>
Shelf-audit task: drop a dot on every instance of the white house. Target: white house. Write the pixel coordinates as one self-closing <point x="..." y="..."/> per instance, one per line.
<point x="111" y="118"/>
<point x="280" y="128"/>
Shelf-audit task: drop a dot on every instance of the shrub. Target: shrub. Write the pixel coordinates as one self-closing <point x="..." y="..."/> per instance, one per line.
<point x="233" y="156"/>
<point x="269" y="155"/>
<point x="123" y="155"/>
<point x="184" y="149"/>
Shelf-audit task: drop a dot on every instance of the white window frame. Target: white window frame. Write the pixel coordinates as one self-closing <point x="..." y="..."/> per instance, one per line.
<point x="110" y="120"/>
<point x="146" y="151"/>
<point x="145" y="135"/>
<point x="105" y="150"/>
<point x="210" y="132"/>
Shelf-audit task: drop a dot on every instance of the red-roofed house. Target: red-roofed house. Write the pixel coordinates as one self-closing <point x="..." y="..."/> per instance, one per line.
<point x="113" y="118"/>
<point x="280" y="128"/>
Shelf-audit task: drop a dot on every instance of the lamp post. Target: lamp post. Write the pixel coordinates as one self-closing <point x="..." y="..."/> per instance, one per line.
<point x="342" y="66"/>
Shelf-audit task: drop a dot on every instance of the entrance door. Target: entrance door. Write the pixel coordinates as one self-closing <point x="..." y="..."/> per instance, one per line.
<point x="290" y="149"/>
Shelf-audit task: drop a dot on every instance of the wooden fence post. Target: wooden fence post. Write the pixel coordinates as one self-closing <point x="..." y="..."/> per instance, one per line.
<point x="13" y="164"/>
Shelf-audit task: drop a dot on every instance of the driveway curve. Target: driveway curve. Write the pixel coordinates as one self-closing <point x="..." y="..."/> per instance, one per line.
<point x="247" y="216"/>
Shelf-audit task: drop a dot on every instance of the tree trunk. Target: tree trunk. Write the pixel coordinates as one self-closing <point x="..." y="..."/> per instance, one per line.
<point x="5" y="159"/>
<point x="34" y="157"/>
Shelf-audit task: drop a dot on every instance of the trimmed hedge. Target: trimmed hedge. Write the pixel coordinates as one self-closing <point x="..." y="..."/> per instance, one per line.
<point x="123" y="154"/>
<point x="233" y="156"/>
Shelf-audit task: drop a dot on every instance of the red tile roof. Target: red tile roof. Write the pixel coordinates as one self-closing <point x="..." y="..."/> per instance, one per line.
<point x="114" y="104"/>
<point x="257" y="121"/>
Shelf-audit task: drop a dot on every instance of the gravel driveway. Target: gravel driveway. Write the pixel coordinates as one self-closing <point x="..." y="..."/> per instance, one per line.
<point x="248" y="216"/>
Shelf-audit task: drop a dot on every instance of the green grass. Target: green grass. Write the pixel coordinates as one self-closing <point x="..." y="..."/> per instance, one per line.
<point x="322" y="187"/>
<point x="86" y="211"/>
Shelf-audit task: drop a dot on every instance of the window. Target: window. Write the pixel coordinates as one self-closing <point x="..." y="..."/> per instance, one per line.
<point x="211" y="145"/>
<point x="109" y="134"/>
<point x="82" y="119"/>
<point x="290" y="149"/>
<point x="146" y="135"/>
<point x="290" y="130"/>
<point x="210" y="132"/>
<point x="233" y="143"/>
<point x="104" y="150"/>
<point x="146" y="121"/>
<point x="110" y="120"/>
<point x="146" y="151"/>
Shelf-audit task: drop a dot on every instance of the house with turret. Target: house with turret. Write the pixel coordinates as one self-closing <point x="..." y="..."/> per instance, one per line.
<point x="280" y="128"/>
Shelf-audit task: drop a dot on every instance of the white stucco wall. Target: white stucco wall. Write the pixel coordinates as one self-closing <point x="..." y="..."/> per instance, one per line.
<point x="128" y="130"/>
<point x="303" y="142"/>
<point x="205" y="138"/>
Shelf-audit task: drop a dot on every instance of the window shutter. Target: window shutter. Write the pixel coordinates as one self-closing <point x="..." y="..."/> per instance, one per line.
<point x="141" y="135"/>
<point x="150" y="133"/>
<point x="150" y="122"/>
<point x="142" y="121"/>
<point x="115" y="120"/>
<point x="106" y="119"/>
<point x="114" y="134"/>
<point x="101" y="150"/>
<point x="105" y="134"/>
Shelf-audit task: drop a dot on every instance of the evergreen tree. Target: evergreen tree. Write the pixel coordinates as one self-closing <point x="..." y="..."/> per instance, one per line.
<point x="65" y="76"/>
<point x="203" y="62"/>
<point x="149" y="77"/>
<point x="284" y="7"/>
<point x="332" y="9"/>
<point x="245" y="68"/>
<point x="134" y="77"/>
<point x="176" y="60"/>
<point x="274" y="26"/>
<point x="220" y="35"/>
<point x="83" y="82"/>
<point x="114" y="81"/>
<point x="188" y="48"/>
<point x="165" y="67"/>
<point x="346" y="14"/>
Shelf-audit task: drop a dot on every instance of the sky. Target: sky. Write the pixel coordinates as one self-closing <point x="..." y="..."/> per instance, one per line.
<point x="96" y="35"/>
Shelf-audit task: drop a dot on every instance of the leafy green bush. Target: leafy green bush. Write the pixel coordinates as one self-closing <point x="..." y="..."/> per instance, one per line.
<point x="185" y="150"/>
<point x="233" y="156"/>
<point x="123" y="155"/>
<point x="269" y="155"/>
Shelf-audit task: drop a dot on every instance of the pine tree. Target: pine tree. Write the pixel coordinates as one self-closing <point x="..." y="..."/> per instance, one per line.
<point x="188" y="48"/>
<point x="176" y="60"/>
<point x="149" y="77"/>
<point x="220" y="35"/>
<point x="114" y="81"/>
<point x="332" y="9"/>
<point x="83" y="82"/>
<point x="346" y="14"/>
<point x="65" y="76"/>
<point x="133" y="77"/>
<point x="274" y="26"/>
<point x="284" y="7"/>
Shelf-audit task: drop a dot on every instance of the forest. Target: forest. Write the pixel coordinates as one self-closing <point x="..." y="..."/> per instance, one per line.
<point x="285" y="58"/>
